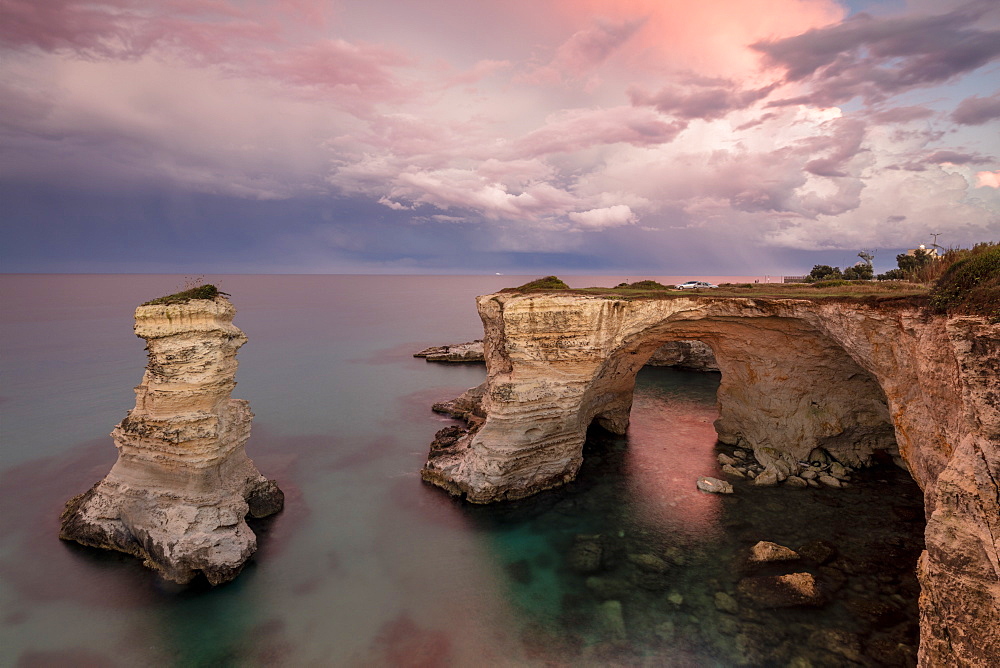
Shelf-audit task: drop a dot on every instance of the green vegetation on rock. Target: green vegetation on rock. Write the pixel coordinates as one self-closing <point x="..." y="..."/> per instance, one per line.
<point x="645" y="285"/>
<point x="200" y="292"/>
<point x="547" y="283"/>
<point x="971" y="284"/>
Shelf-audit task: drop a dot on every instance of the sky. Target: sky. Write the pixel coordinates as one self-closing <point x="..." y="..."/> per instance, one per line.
<point x="660" y="137"/>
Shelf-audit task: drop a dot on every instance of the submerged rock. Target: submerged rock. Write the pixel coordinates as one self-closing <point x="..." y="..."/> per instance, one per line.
<point x="585" y="555"/>
<point x="612" y="621"/>
<point x="649" y="563"/>
<point x="818" y="552"/>
<point x="183" y="485"/>
<point x="726" y="603"/>
<point x="781" y="591"/>
<point x="714" y="485"/>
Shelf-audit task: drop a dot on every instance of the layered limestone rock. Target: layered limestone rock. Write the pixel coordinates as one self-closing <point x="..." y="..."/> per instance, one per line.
<point x="455" y="352"/>
<point x="183" y="485"/>
<point x="796" y="376"/>
<point x="693" y="355"/>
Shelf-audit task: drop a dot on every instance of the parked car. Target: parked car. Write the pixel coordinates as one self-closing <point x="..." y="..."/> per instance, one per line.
<point x="695" y="284"/>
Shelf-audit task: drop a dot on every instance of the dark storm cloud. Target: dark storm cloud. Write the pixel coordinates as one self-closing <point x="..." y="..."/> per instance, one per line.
<point x="875" y="58"/>
<point x="977" y="110"/>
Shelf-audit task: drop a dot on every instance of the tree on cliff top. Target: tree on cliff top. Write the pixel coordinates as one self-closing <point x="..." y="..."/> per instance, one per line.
<point x="824" y="272"/>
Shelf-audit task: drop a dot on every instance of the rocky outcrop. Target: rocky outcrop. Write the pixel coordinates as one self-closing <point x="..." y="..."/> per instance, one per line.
<point x="183" y="485"/>
<point x="693" y="355"/>
<point x="797" y="376"/>
<point x="455" y="352"/>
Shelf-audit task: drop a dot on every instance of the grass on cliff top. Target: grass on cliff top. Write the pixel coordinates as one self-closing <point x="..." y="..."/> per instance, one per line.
<point x="199" y="292"/>
<point x="882" y="292"/>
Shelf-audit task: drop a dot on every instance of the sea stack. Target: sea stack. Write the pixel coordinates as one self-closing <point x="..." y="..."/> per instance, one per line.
<point x="183" y="485"/>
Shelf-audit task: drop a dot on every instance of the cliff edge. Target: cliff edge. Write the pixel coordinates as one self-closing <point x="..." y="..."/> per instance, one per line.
<point x="183" y="485"/>
<point x="850" y="378"/>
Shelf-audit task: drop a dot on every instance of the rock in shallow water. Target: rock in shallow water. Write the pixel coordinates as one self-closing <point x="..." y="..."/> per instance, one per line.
<point x="766" y="552"/>
<point x="781" y="591"/>
<point x="714" y="485"/>
<point x="585" y="555"/>
<point x="726" y="603"/>
<point x="731" y="470"/>
<point x="830" y="481"/>
<point x="768" y="478"/>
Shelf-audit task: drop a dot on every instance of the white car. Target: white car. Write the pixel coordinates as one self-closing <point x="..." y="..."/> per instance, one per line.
<point x="695" y="284"/>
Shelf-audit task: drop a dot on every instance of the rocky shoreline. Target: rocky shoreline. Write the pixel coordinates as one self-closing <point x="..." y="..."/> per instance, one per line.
<point x="766" y="467"/>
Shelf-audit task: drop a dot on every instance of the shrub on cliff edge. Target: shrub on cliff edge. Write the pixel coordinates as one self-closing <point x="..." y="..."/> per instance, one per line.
<point x="547" y="283"/>
<point x="207" y="291"/>
<point x="971" y="285"/>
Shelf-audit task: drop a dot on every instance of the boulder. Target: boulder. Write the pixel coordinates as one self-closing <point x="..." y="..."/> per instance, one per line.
<point x="766" y="552"/>
<point x="781" y="591"/>
<point x="714" y="485"/>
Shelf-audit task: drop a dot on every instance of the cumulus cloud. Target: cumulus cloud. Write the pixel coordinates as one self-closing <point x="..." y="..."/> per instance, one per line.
<point x="610" y="216"/>
<point x="610" y="118"/>
<point x="579" y="129"/>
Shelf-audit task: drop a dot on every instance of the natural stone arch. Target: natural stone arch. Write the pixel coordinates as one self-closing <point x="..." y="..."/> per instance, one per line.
<point x="938" y="377"/>
<point x="785" y="385"/>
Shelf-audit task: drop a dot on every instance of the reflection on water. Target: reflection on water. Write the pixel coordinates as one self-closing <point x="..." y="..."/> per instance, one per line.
<point x="671" y="557"/>
<point x="367" y="565"/>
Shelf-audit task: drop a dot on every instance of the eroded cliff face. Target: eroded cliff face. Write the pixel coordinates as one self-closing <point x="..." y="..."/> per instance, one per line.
<point x="183" y="485"/>
<point x="796" y="375"/>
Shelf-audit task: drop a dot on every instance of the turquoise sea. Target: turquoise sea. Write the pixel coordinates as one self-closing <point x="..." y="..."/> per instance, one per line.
<point x="367" y="566"/>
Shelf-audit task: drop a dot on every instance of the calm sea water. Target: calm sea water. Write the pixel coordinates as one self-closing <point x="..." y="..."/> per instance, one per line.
<point x="367" y="566"/>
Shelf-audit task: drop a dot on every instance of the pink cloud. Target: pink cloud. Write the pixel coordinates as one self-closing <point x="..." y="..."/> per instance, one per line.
<point x="988" y="179"/>
<point x="357" y="73"/>
<point x="714" y="100"/>
<point x="579" y="129"/>
<point x="585" y="50"/>
<point x="707" y="37"/>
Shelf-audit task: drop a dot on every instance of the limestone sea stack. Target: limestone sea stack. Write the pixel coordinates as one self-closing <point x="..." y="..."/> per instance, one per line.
<point x="183" y="485"/>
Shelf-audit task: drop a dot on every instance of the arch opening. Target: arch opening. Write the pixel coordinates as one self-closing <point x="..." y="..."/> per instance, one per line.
<point x="866" y="590"/>
<point x="786" y="390"/>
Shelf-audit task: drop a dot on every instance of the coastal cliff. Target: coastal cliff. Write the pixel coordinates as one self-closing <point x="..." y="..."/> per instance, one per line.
<point x="797" y="375"/>
<point x="183" y="485"/>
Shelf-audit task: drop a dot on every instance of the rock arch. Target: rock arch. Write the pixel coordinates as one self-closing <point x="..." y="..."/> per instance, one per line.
<point x="796" y="373"/>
